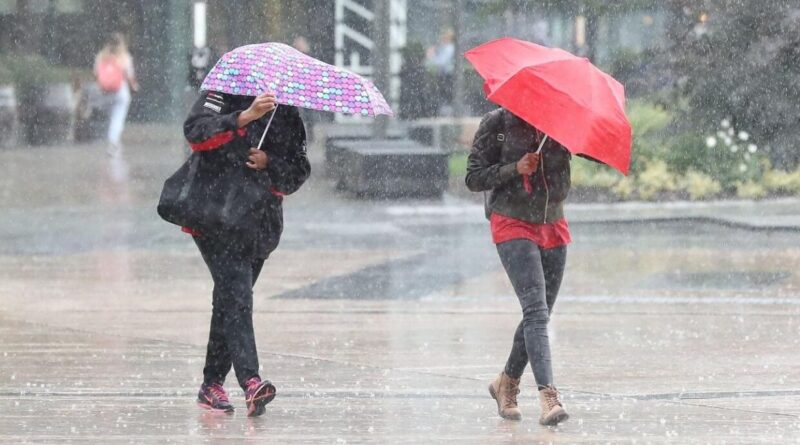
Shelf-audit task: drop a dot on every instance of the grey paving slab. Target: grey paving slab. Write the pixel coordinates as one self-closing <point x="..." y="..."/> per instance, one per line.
<point x="122" y="394"/>
<point x="172" y="420"/>
<point x="382" y="321"/>
<point x="367" y="360"/>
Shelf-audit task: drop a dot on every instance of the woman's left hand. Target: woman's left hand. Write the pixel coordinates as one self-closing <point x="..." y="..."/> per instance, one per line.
<point x="257" y="160"/>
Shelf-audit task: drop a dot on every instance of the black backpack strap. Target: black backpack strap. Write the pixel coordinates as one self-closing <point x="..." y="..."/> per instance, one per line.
<point x="499" y="138"/>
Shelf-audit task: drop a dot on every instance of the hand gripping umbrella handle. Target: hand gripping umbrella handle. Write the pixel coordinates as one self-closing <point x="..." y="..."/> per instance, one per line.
<point x="526" y="180"/>
<point x="269" y="122"/>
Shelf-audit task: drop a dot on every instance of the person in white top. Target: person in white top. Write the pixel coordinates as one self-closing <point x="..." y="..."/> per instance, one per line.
<point x="113" y="68"/>
<point x="441" y="63"/>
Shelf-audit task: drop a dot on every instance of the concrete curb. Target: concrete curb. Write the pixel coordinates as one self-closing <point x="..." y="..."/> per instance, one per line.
<point x="781" y="214"/>
<point x="698" y="219"/>
<point x="773" y="215"/>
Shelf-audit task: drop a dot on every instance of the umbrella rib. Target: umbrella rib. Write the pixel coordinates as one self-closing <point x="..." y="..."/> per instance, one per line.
<point x="529" y="67"/>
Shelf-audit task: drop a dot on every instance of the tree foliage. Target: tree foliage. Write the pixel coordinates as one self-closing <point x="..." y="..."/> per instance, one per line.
<point x="738" y="60"/>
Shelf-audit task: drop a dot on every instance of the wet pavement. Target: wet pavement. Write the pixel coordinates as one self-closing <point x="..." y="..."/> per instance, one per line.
<point x="383" y="321"/>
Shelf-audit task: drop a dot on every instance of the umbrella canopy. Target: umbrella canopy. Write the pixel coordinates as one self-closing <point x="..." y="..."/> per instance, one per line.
<point x="563" y="95"/>
<point x="296" y="79"/>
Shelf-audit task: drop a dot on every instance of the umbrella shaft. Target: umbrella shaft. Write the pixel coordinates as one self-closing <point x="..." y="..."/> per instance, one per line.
<point x="541" y="144"/>
<point x="269" y="122"/>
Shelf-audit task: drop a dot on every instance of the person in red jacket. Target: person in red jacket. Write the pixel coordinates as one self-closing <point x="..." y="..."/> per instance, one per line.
<point x="220" y="125"/>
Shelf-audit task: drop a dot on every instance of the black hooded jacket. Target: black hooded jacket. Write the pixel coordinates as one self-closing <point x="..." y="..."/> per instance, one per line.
<point x="211" y="128"/>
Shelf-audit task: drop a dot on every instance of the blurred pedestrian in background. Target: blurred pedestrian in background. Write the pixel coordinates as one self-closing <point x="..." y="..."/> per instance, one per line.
<point x="201" y="60"/>
<point x="113" y="69"/>
<point x="440" y="61"/>
<point x="300" y="43"/>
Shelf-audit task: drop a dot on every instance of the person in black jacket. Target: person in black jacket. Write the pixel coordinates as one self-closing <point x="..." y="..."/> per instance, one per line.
<point x="229" y="124"/>
<point x="527" y="176"/>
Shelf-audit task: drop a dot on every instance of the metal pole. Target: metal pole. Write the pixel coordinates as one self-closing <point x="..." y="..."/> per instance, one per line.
<point x="380" y="60"/>
<point x="458" y="65"/>
<point x="178" y="32"/>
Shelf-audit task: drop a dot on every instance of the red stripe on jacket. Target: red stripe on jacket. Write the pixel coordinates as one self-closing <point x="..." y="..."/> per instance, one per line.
<point x="190" y="231"/>
<point x="217" y="140"/>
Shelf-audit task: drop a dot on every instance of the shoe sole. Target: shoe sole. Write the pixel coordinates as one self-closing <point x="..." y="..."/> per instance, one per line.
<point x="260" y="400"/>
<point x="499" y="411"/>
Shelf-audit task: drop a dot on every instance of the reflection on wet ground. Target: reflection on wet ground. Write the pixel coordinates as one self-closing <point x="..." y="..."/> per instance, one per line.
<point x="379" y="321"/>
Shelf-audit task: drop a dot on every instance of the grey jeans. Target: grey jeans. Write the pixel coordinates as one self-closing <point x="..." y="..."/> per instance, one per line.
<point x="536" y="276"/>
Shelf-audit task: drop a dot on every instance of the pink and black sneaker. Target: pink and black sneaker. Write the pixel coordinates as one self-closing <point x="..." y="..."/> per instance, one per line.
<point x="214" y="397"/>
<point x="257" y="395"/>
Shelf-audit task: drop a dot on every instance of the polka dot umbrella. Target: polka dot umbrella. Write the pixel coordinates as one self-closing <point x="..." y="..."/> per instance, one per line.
<point x="296" y="79"/>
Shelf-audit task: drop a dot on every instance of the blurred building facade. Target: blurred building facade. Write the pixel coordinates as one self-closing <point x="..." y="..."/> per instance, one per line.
<point x="631" y="26"/>
<point x="70" y="32"/>
<point x="159" y="32"/>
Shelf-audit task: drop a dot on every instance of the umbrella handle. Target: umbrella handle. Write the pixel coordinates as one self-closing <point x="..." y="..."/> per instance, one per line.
<point x="269" y="122"/>
<point x="541" y="144"/>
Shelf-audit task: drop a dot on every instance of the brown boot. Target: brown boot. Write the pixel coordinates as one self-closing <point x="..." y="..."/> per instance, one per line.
<point x="504" y="390"/>
<point x="552" y="409"/>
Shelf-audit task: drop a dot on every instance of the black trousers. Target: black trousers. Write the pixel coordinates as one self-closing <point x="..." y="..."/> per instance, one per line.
<point x="536" y="275"/>
<point x="231" y="340"/>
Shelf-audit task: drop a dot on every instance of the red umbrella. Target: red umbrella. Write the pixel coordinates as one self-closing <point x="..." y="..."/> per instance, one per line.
<point x="563" y="95"/>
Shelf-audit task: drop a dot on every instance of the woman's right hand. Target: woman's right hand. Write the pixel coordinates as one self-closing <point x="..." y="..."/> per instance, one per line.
<point x="528" y="164"/>
<point x="261" y="105"/>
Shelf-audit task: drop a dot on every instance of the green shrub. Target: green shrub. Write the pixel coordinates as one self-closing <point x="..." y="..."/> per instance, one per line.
<point x="624" y="188"/>
<point x="686" y="151"/>
<point x="750" y="190"/>
<point x="699" y="185"/>
<point x="725" y="162"/>
<point x="591" y="174"/>
<point x="781" y="181"/>
<point x="655" y="178"/>
<point x="729" y="156"/>
<point x="458" y="164"/>
<point x="648" y="122"/>
<point x="31" y="72"/>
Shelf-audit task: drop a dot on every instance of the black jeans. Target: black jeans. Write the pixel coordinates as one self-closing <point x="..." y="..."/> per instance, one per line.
<point x="536" y="275"/>
<point x="231" y="340"/>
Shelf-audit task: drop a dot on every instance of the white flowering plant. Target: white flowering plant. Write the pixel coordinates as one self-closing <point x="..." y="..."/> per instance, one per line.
<point x="671" y="161"/>
<point x="732" y="156"/>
